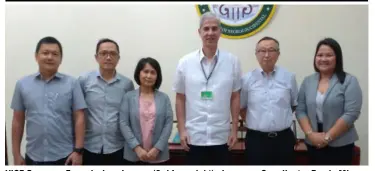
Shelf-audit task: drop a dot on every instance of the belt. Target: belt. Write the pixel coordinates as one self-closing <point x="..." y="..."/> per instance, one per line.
<point x="272" y="134"/>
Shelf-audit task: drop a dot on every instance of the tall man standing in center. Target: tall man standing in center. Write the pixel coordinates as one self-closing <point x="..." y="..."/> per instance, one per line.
<point x="103" y="90"/>
<point x="207" y="85"/>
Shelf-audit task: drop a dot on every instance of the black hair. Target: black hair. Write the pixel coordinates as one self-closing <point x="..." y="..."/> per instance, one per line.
<point x="48" y="40"/>
<point x="335" y="46"/>
<point x="155" y="64"/>
<point x="105" y="40"/>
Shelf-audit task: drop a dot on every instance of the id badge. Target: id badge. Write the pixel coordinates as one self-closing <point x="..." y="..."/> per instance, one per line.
<point x="206" y="95"/>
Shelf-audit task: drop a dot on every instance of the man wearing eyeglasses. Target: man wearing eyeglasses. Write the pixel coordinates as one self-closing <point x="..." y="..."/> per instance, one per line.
<point x="103" y="90"/>
<point x="268" y="100"/>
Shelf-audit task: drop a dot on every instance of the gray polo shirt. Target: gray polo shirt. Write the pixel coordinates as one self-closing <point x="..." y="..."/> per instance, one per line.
<point x="103" y="100"/>
<point x="49" y="107"/>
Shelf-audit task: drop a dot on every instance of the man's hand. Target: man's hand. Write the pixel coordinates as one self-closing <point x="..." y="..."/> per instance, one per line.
<point x="153" y="154"/>
<point x="141" y="153"/>
<point x="74" y="158"/>
<point x="19" y="160"/>
<point x="184" y="139"/>
<point x="232" y="140"/>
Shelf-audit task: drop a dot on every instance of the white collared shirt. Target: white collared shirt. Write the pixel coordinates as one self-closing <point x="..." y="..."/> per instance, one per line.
<point x="208" y="121"/>
<point x="269" y="99"/>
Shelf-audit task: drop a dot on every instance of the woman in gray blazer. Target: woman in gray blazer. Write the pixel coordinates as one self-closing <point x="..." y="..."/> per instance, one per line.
<point x="146" y="117"/>
<point x="329" y="102"/>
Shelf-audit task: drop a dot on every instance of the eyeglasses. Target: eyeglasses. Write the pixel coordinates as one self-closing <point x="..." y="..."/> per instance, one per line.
<point x="111" y="54"/>
<point x="264" y="51"/>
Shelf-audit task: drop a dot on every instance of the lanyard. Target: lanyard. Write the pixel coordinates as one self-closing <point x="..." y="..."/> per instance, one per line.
<point x="209" y="76"/>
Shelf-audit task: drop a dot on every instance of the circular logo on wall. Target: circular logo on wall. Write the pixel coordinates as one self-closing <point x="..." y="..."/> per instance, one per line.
<point x="240" y="21"/>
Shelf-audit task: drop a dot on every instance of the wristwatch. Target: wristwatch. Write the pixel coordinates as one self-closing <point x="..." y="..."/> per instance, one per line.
<point x="78" y="150"/>
<point x="327" y="137"/>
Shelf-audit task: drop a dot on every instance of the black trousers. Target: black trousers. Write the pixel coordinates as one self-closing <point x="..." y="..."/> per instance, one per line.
<point x="29" y="161"/>
<point x="330" y="155"/>
<point x="115" y="158"/>
<point x="270" y="148"/>
<point x="208" y="155"/>
<point x="126" y="162"/>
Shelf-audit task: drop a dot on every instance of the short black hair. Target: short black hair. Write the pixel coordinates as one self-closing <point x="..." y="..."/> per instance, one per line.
<point x="335" y="46"/>
<point x="48" y="40"/>
<point x="270" y="38"/>
<point x="155" y="64"/>
<point x="105" y="40"/>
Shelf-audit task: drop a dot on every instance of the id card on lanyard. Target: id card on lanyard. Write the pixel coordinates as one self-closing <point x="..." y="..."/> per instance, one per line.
<point x="208" y="95"/>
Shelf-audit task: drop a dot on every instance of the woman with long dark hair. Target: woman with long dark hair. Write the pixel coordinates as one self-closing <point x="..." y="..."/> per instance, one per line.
<point x="329" y="102"/>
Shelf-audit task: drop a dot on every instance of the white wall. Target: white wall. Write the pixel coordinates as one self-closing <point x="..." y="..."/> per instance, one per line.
<point x="167" y="32"/>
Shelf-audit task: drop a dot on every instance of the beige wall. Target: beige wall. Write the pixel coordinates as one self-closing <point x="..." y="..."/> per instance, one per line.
<point x="167" y="32"/>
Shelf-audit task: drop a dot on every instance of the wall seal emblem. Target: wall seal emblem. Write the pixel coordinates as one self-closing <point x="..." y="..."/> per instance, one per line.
<point x="240" y="21"/>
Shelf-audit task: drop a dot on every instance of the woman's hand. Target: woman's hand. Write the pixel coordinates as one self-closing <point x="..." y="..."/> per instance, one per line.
<point x="141" y="153"/>
<point x="153" y="154"/>
<point x="317" y="139"/>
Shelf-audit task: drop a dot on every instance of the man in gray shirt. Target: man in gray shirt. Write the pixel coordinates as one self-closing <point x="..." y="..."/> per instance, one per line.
<point x="49" y="102"/>
<point x="103" y="90"/>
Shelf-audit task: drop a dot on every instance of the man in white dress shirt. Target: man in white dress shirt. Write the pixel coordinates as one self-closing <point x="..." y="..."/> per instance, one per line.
<point x="207" y="85"/>
<point x="268" y="100"/>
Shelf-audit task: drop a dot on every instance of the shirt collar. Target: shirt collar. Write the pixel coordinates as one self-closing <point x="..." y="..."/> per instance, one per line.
<point x="201" y="54"/>
<point x="117" y="77"/>
<point x="57" y="75"/>
<point x="261" y="71"/>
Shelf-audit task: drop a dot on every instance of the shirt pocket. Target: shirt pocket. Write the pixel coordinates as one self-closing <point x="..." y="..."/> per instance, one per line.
<point x="114" y="96"/>
<point x="62" y="101"/>
<point x="282" y="96"/>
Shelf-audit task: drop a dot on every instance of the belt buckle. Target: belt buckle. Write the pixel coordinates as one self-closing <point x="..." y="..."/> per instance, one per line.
<point x="272" y="134"/>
